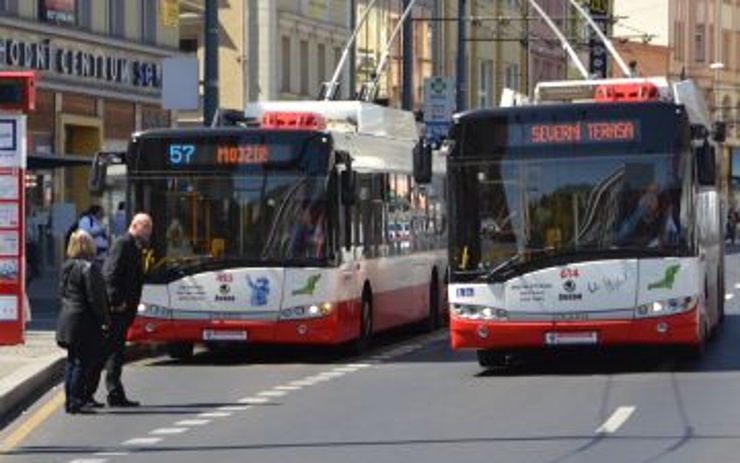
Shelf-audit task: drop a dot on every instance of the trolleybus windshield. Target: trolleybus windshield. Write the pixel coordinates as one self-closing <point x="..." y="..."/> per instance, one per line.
<point x="235" y="201"/>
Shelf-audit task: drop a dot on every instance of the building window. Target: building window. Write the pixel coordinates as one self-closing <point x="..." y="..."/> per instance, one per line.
<point x="117" y="18"/>
<point x="678" y="40"/>
<point x="148" y="11"/>
<point x="51" y="11"/>
<point x="699" y="44"/>
<point x="285" y="75"/>
<point x="321" y="62"/>
<point x="9" y="7"/>
<point x="189" y="45"/>
<point x="304" y="67"/>
<point x="512" y="76"/>
<point x="485" y="83"/>
<point x="84" y="14"/>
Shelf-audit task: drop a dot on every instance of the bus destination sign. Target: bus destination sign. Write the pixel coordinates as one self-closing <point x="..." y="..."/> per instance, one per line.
<point x="623" y="131"/>
<point x="180" y="154"/>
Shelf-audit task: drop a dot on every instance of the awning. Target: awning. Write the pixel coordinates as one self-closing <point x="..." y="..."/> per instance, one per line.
<point x="55" y="161"/>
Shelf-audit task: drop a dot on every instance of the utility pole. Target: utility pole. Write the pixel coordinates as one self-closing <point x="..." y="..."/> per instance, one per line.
<point x="210" y="91"/>
<point x="408" y="63"/>
<point x="461" y="83"/>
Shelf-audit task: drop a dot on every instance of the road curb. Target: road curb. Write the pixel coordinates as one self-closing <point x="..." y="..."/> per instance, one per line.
<point x="22" y="388"/>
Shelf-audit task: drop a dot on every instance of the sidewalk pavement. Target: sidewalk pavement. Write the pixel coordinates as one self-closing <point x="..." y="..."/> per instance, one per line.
<point x="29" y="370"/>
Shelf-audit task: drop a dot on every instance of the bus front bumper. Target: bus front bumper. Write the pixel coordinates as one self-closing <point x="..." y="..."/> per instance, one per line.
<point x="329" y="330"/>
<point x="679" y="329"/>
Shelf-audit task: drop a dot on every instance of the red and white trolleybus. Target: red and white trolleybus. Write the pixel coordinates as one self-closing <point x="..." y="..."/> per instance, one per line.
<point x="284" y="228"/>
<point x="592" y="216"/>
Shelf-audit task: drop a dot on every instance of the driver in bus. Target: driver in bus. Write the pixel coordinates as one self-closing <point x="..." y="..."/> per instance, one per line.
<point x="309" y="234"/>
<point x="645" y="225"/>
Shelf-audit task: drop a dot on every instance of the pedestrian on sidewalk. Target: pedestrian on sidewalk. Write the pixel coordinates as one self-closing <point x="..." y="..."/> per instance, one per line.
<point x="83" y="319"/>
<point x="123" y="271"/>
<point x="92" y="221"/>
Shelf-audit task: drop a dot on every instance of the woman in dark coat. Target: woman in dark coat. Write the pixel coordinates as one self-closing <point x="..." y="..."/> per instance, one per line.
<point x="83" y="319"/>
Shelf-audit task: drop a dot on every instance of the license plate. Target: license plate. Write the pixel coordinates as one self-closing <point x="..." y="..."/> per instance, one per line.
<point x="224" y="335"/>
<point x="571" y="338"/>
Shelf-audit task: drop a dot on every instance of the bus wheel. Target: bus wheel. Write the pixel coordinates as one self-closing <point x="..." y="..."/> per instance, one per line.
<point x="432" y="321"/>
<point x="360" y="345"/>
<point x="693" y="353"/>
<point x="180" y="350"/>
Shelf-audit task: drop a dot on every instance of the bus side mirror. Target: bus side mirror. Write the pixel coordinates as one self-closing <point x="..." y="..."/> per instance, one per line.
<point x="99" y="169"/>
<point x="422" y="162"/>
<point x="706" y="165"/>
<point x="348" y="184"/>
<point x="98" y="174"/>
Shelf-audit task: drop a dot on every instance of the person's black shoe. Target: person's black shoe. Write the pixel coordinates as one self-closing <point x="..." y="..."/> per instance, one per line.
<point x="80" y="410"/>
<point x="122" y="402"/>
<point x="92" y="403"/>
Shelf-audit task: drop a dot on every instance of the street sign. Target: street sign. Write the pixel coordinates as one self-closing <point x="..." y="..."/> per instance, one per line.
<point x="439" y="105"/>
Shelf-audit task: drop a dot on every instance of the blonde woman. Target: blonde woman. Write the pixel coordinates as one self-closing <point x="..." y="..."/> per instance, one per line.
<point x="83" y="318"/>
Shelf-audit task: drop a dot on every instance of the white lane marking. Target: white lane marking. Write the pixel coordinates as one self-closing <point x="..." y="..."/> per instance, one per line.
<point x="360" y="365"/>
<point x="288" y="388"/>
<point x="214" y="414"/>
<point x="618" y="418"/>
<point x="143" y="441"/>
<point x="89" y="460"/>
<point x="192" y="422"/>
<point x="271" y="393"/>
<point x="729" y="296"/>
<point x="737" y="285"/>
<point x="331" y="374"/>
<point x="302" y="383"/>
<point x="234" y="408"/>
<point x="346" y="369"/>
<point x="254" y="400"/>
<point x="168" y="431"/>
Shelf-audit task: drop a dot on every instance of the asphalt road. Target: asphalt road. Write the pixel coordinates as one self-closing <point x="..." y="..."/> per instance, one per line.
<point x="411" y="399"/>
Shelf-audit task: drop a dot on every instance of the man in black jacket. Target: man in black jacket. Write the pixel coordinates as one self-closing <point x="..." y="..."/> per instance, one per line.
<point x="123" y="271"/>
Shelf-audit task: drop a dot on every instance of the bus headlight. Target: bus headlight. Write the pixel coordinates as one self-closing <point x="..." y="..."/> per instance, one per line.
<point x="666" y="307"/>
<point x="154" y="311"/>
<point x="479" y="312"/>
<point x="304" y="312"/>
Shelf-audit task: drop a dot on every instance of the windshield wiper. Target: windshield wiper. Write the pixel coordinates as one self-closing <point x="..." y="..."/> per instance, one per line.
<point x="499" y="272"/>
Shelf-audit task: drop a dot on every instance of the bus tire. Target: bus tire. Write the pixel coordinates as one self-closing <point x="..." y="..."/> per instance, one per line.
<point x="361" y="344"/>
<point x="432" y="321"/>
<point x="180" y="350"/>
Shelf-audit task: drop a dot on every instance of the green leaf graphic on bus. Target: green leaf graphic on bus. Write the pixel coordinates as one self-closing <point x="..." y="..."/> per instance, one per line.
<point x="309" y="288"/>
<point x="668" y="279"/>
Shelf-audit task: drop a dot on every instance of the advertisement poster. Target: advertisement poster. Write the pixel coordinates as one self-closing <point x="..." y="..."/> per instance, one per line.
<point x="8" y="308"/>
<point x="9" y="217"/>
<point x="8" y="185"/>
<point x="9" y="243"/>
<point x="8" y="270"/>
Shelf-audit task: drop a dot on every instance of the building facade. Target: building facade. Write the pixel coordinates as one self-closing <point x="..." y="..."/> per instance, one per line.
<point x="98" y="68"/>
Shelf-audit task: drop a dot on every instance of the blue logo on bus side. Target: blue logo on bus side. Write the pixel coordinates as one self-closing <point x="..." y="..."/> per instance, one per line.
<point x="260" y="291"/>
<point x="465" y="292"/>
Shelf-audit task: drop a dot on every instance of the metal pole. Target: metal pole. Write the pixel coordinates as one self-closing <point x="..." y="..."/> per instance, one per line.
<point x="460" y="90"/>
<point x="352" y="81"/>
<point x="408" y="64"/>
<point x="210" y="92"/>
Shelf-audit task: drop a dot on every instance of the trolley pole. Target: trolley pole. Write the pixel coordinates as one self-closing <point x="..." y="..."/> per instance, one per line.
<point x="461" y="74"/>
<point x="408" y="63"/>
<point x="210" y="91"/>
<point x="352" y="80"/>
